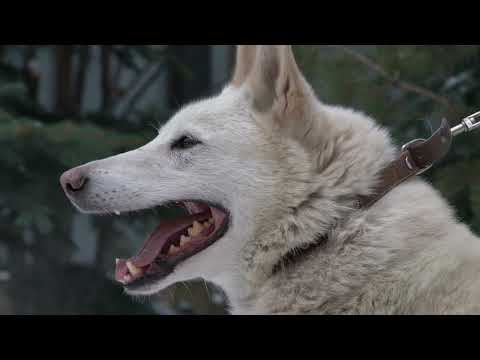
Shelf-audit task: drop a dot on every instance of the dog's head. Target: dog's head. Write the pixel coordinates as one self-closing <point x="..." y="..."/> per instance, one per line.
<point x="235" y="162"/>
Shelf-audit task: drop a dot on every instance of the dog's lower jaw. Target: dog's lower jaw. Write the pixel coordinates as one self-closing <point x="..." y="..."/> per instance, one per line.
<point x="151" y="289"/>
<point x="236" y="290"/>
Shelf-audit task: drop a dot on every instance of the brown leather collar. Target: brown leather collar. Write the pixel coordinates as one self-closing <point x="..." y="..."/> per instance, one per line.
<point x="415" y="158"/>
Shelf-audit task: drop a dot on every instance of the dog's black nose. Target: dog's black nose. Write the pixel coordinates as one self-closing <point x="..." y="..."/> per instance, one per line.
<point x="73" y="180"/>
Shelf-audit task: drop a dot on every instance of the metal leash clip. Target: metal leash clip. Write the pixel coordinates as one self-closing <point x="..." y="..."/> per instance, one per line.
<point x="470" y="123"/>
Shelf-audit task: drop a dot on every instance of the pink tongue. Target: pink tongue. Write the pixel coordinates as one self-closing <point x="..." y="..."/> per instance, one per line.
<point x="155" y="243"/>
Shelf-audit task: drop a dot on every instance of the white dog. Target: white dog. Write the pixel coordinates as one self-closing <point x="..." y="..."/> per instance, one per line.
<point x="269" y="175"/>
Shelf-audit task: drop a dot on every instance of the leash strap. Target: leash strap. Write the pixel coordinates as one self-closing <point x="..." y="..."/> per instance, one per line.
<point x="415" y="158"/>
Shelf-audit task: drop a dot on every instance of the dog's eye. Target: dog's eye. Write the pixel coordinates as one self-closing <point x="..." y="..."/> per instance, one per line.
<point x="185" y="142"/>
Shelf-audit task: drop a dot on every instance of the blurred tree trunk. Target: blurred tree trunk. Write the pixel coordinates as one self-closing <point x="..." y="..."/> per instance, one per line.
<point x="107" y="83"/>
<point x="189" y="74"/>
<point x="64" y="63"/>
<point x="140" y="87"/>
<point x="232" y="52"/>
<point x="117" y="75"/>
<point x="31" y="72"/>
<point x="83" y="62"/>
<point x="104" y="240"/>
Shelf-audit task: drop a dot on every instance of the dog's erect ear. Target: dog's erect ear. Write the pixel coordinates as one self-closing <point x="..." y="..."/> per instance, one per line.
<point x="277" y="86"/>
<point x="244" y="63"/>
<point x="275" y="77"/>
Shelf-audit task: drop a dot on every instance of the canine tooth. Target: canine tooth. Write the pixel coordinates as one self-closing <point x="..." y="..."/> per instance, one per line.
<point x="117" y="213"/>
<point x="173" y="250"/>
<point x="190" y="231"/>
<point x="117" y="261"/>
<point x="184" y="240"/>
<point x="133" y="269"/>
<point x="197" y="228"/>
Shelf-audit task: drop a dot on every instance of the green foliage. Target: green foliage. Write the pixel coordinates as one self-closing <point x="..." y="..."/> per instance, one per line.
<point x="36" y="154"/>
<point x="31" y="200"/>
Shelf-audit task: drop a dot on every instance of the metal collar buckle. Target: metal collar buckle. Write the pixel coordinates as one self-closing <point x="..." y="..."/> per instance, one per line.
<point x="408" y="159"/>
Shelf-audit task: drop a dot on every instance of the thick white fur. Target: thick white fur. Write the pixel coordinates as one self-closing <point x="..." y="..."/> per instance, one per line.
<point x="288" y="168"/>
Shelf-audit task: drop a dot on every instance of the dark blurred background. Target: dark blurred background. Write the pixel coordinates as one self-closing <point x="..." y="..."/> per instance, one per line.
<point x="64" y="105"/>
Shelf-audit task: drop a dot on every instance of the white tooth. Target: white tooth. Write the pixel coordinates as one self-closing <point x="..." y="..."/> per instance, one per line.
<point x="117" y="261"/>
<point x="190" y="231"/>
<point x="173" y="250"/>
<point x="117" y="213"/>
<point x="133" y="269"/>
<point x="184" y="240"/>
<point x="197" y="228"/>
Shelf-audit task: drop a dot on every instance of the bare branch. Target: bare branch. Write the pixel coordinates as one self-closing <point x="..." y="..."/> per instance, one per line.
<point x="143" y="83"/>
<point x="396" y="81"/>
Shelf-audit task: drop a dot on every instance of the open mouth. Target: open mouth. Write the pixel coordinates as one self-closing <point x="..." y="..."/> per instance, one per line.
<point x="172" y="242"/>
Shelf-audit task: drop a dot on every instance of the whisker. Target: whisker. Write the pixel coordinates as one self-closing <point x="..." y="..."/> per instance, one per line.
<point x="207" y="291"/>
